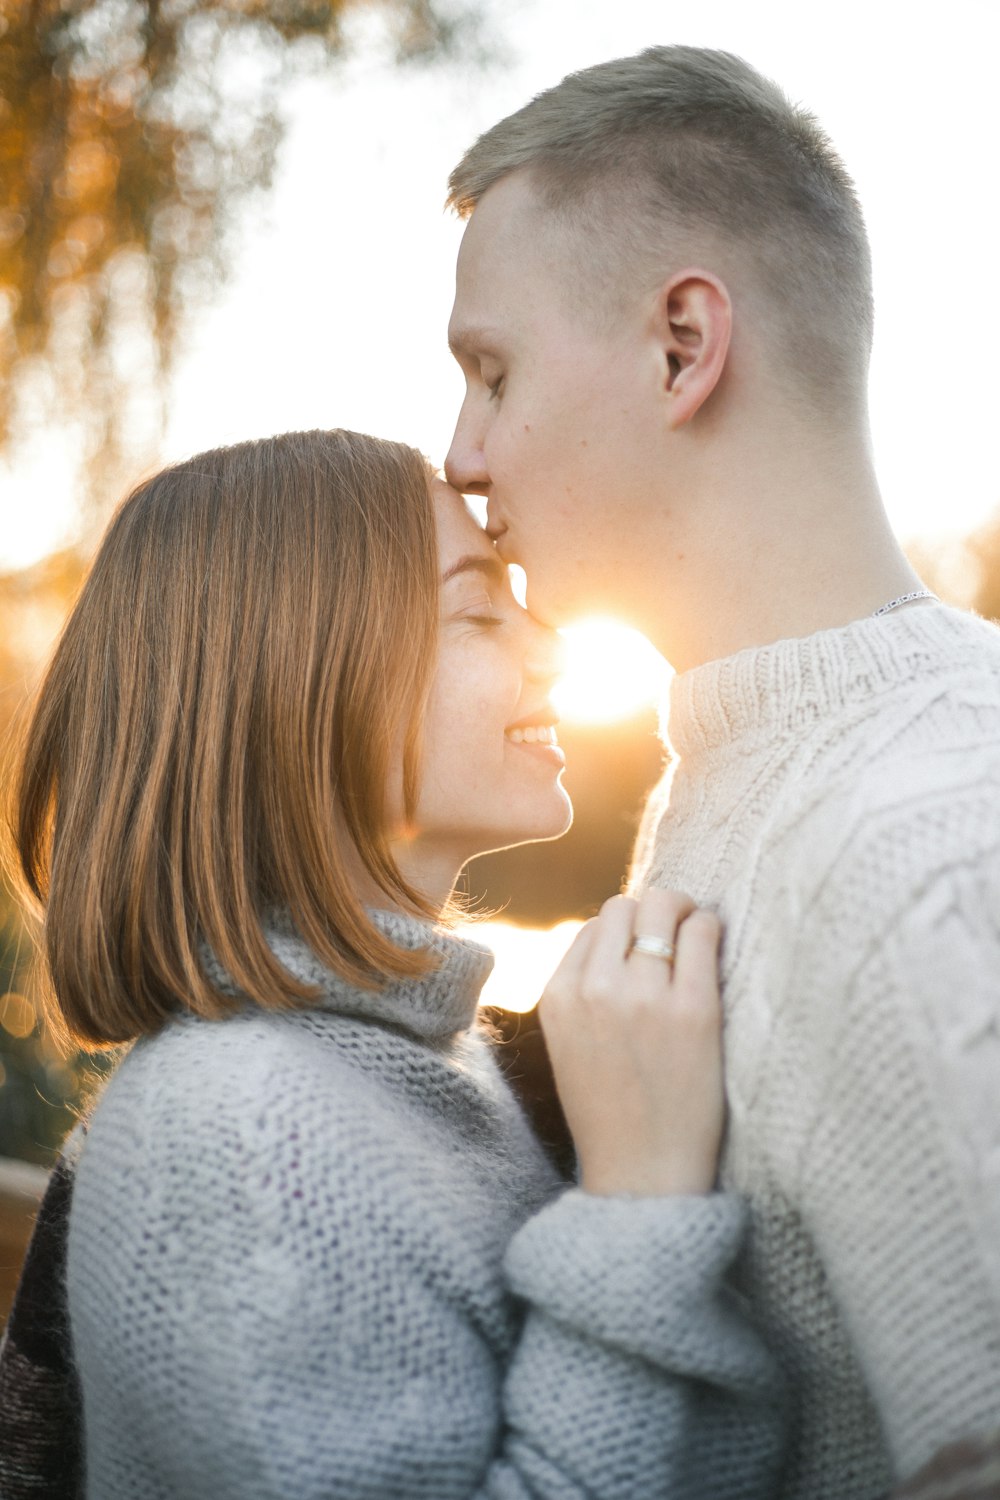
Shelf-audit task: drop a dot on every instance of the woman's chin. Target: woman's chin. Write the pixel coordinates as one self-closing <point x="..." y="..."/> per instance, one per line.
<point x="537" y="830"/>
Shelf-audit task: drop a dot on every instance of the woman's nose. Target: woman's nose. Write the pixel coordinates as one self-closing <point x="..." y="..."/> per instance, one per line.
<point x="545" y="658"/>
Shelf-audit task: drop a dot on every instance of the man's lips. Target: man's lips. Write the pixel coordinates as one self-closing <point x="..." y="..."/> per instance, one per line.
<point x="505" y="551"/>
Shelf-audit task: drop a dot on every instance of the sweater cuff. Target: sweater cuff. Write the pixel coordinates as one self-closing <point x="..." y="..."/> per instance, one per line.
<point x="643" y="1275"/>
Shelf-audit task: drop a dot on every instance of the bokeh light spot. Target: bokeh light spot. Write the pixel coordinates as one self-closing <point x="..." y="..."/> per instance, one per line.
<point x="17" y="1015"/>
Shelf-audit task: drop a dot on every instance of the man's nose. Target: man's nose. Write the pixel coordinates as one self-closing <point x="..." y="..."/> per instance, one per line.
<point x="465" y="465"/>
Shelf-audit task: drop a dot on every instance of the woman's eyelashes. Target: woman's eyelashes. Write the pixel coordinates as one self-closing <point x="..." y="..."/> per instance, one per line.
<point x="484" y="621"/>
<point x="485" y="613"/>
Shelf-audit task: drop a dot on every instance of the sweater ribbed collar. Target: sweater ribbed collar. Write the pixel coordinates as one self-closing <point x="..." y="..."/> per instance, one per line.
<point x="769" y="692"/>
<point x="434" y="1006"/>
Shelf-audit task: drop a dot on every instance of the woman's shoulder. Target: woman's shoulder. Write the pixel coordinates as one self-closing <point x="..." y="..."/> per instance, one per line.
<point x="263" y="1130"/>
<point x="208" y="1095"/>
<point x="231" y="1057"/>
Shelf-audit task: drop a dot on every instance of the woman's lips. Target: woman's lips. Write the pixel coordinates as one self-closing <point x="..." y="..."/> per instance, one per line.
<point x="538" y="740"/>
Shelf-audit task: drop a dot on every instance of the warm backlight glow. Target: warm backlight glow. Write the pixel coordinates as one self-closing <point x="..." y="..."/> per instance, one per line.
<point x="612" y="672"/>
<point x="525" y="957"/>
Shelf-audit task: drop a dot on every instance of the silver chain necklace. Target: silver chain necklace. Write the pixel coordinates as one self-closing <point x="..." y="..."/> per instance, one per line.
<point x="904" y="599"/>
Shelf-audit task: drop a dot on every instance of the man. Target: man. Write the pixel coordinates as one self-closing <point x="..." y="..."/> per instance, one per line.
<point x="663" y="313"/>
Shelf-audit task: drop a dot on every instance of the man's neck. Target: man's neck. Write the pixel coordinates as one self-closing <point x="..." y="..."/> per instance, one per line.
<point x="799" y="544"/>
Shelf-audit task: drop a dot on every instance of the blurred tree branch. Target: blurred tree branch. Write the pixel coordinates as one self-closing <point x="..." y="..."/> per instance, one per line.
<point x="130" y="133"/>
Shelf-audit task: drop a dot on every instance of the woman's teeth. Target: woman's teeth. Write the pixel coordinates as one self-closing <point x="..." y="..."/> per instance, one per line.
<point x="535" y="734"/>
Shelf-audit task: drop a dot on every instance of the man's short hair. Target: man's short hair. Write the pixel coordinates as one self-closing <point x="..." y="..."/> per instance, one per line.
<point x="686" y="149"/>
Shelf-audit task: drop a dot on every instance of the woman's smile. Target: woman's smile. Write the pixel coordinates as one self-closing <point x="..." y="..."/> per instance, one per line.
<point x="537" y="739"/>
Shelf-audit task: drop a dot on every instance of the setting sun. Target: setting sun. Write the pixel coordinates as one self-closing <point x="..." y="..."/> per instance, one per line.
<point x="611" y="673"/>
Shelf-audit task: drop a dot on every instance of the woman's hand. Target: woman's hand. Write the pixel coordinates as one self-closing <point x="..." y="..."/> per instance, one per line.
<point x="636" y="1047"/>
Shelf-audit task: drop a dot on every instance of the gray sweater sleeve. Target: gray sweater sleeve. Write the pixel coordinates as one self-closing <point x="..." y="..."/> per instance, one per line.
<point x="634" y="1375"/>
<point x="637" y="1373"/>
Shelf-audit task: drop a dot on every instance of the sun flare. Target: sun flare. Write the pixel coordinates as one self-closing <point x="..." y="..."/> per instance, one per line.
<point x="611" y="672"/>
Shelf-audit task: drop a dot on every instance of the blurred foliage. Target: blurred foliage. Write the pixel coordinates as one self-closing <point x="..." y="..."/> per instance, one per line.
<point x="131" y="131"/>
<point x="41" y="1087"/>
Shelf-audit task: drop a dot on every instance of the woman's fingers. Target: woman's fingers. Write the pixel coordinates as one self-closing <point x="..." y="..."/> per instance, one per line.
<point x="612" y="934"/>
<point x="696" y="959"/>
<point x="622" y="918"/>
<point x="658" y="916"/>
<point x="661" y="912"/>
<point x="635" y="1046"/>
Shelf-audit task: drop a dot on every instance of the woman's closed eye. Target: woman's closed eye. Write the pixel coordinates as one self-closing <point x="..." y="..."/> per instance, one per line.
<point x="486" y="621"/>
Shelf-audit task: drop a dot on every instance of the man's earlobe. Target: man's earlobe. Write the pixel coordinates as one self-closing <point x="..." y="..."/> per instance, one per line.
<point x="695" y="320"/>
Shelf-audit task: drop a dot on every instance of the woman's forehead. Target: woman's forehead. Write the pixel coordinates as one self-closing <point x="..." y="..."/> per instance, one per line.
<point x="459" y="533"/>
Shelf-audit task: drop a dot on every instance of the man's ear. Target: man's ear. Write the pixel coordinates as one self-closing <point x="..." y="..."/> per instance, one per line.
<point x="694" y="324"/>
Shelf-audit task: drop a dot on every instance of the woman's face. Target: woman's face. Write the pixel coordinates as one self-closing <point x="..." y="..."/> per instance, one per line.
<point x="490" y="766"/>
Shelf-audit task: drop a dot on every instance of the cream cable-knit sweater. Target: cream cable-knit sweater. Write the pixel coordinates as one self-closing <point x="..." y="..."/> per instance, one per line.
<point x="837" y="800"/>
<point x="319" y="1254"/>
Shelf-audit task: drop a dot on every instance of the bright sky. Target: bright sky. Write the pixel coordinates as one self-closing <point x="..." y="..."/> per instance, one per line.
<point x="336" y="308"/>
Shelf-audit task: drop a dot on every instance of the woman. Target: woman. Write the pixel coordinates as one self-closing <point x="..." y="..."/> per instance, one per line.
<point x="314" y="1248"/>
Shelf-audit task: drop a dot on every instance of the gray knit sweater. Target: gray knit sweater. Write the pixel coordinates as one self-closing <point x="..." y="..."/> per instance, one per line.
<point x="320" y="1254"/>
<point x="837" y="799"/>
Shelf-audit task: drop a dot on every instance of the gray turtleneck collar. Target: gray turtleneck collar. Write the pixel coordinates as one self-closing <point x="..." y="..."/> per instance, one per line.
<point x="434" y="1007"/>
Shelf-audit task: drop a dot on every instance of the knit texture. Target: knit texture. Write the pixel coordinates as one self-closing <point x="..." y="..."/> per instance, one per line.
<point x="837" y="800"/>
<point x="320" y="1253"/>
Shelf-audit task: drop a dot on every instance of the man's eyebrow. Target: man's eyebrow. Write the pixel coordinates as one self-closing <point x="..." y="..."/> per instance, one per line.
<point x="492" y="567"/>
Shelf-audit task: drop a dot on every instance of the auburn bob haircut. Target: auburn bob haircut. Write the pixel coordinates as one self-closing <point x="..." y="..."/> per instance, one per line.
<point x="250" y="654"/>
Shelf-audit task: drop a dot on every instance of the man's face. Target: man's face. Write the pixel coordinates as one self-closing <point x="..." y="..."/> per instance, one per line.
<point x="561" y="427"/>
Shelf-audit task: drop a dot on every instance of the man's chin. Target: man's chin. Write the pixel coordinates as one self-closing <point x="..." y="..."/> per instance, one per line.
<point x="548" y="610"/>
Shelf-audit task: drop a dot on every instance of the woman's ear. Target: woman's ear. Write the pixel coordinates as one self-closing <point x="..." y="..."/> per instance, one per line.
<point x="694" y="321"/>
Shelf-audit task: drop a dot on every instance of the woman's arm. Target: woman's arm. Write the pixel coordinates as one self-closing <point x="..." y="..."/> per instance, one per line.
<point x="284" y="1312"/>
<point x="325" y="1347"/>
<point x="637" y="1373"/>
<point x="633" y="1265"/>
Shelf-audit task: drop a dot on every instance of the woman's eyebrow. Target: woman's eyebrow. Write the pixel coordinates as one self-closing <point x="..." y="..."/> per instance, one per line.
<point x="492" y="567"/>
